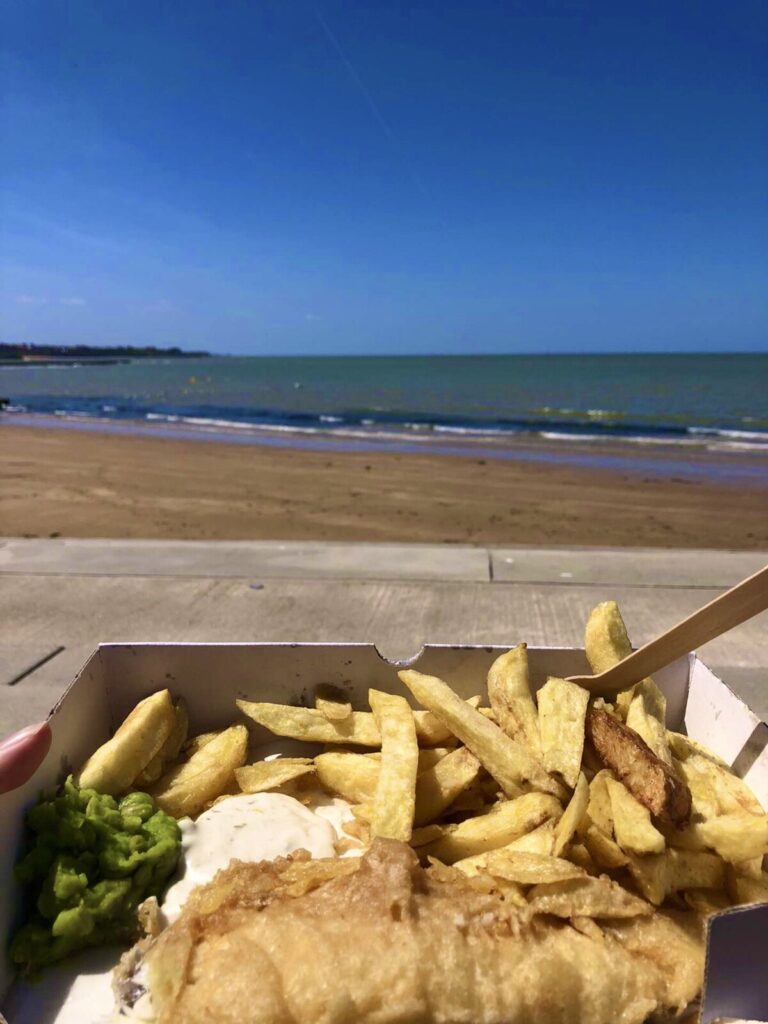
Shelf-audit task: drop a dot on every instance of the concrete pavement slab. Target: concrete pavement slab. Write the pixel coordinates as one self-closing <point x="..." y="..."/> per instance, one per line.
<point x="398" y="616"/>
<point x="222" y="559"/>
<point x="635" y="566"/>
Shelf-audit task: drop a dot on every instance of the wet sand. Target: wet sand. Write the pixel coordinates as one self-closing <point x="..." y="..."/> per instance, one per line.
<point x="75" y="484"/>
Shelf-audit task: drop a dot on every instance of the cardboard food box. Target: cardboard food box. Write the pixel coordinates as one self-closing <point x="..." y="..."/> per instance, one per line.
<point x="211" y="676"/>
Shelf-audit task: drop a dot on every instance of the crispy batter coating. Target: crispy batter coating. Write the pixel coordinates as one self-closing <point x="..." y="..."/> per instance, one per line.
<point x="389" y="943"/>
<point x="646" y="776"/>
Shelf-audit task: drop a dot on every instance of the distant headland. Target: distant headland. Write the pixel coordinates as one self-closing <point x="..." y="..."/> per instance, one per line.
<point x="101" y="355"/>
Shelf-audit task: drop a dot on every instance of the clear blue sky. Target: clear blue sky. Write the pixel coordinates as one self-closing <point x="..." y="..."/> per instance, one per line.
<point x="276" y="176"/>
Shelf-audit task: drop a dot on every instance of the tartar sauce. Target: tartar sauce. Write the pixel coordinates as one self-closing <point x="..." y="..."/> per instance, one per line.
<point x="261" y="826"/>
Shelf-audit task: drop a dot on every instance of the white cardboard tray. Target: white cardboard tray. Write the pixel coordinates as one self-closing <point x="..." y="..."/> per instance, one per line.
<point x="211" y="676"/>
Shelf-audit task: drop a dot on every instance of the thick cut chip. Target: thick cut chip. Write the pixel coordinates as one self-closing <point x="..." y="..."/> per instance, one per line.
<point x="509" y="692"/>
<point x="113" y="768"/>
<point x="599" y="811"/>
<point x="507" y="760"/>
<point x="735" y="837"/>
<point x="540" y="840"/>
<point x="632" y="822"/>
<point x="353" y="776"/>
<point x="746" y="890"/>
<point x="573" y="815"/>
<point x="659" y="875"/>
<point x="603" y="850"/>
<point x="562" y="711"/>
<point x="333" y="710"/>
<point x="586" y="897"/>
<point x="530" y="868"/>
<point x="198" y="742"/>
<point x="266" y="775"/>
<point x="507" y="821"/>
<point x="426" y="835"/>
<point x="170" y="750"/>
<point x="605" y="639"/>
<point x="683" y="746"/>
<point x="729" y="793"/>
<point x="649" y="779"/>
<point x="647" y="716"/>
<point x="186" y="789"/>
<point x="438" y="787"/>
<point x="395" y="797"/>
<point x="359" y="730"/>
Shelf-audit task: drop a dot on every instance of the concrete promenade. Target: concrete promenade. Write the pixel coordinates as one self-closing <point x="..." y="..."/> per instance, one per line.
<point x="60" y="598"/>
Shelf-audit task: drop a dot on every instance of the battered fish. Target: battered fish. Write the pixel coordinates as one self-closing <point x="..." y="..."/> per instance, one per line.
<point x="391" y="943"/>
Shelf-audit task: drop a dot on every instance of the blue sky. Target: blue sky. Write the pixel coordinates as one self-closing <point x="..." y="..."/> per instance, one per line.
<point x="280" y="176"/>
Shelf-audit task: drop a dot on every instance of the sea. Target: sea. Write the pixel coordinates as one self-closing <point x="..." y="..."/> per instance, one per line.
<point x="693" y="402"/>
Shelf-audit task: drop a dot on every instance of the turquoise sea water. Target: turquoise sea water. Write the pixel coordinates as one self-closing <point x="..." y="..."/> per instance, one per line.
<point x="708" y="402"/>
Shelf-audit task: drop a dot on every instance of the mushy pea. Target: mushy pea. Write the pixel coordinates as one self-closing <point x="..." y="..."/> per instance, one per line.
<point x="92" y="862"/>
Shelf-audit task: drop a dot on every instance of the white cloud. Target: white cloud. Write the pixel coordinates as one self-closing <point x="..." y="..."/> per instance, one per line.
<point x="31" y="300"/>
<point x="72" y="301"/>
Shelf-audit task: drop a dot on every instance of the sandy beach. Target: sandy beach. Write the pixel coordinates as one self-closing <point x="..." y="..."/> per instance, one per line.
<point x="77" y="484"/>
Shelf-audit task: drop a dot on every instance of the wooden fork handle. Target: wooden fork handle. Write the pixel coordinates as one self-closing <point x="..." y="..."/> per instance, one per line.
<point x="735" y="606"/>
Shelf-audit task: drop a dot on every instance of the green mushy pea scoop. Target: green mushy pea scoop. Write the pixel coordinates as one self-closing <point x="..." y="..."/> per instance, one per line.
<point x="92" y="861"/>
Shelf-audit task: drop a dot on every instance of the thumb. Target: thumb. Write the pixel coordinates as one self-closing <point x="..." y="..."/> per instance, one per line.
<point x="21" y="754"/>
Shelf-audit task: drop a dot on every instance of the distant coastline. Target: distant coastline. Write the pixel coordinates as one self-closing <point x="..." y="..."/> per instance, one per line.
<point x="94" y="355"/>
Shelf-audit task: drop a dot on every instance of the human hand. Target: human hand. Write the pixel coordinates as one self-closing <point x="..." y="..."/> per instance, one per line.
<point x="21" y="754"/>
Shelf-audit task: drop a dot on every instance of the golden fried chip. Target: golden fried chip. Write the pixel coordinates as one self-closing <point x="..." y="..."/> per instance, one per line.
<point x="730" y="793"/>
<point x="507" y="821"/>
<point x="599" y="811"/>
<point x="113" y="768"/>
<point x="605" y="640"/>
<point x="333" y="710"/>
<point x="746" y="890"/>
<point x="735" y="837"/>
<point x="196" y="743"/>
<point x="438" y="787"/>
<point x="507" y="760"/>
<point x="586" y="897"/>
<point x="187" y="788"/>
<point x="661" y="874"/>
<point x="647" y="716"/>
<point x="683" y="746"/>
<point x="540" y="840"/>
<point x="358" y="730"/>
<point x="573" y="816"/>
<point x="603" y="850"/>
<point x="632" y="822"/>
<point x="562" y="711"/>
<point x="509" y="692"/>
<point x="529" y="868"/>
<point x="353" y="776"/>
<point x="266" y="775"/>
<point x="170" y="750"/>
<point x="395" y="796"/>
<point x="426" y="835"/>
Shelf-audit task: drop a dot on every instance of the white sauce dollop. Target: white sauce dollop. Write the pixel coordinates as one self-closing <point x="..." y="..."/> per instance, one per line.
<point x="260" y="826"/>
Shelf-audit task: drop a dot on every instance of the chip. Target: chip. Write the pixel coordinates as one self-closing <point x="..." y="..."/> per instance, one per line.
<point x="632" y="822"/>
<point x="507" y="760"/>
<point x="170" y="750"/>
<point x="647" y="716"/>
<point x="507" y="821"/>
<point x="266" y="775"/>
<point x="573" y="816"/>
<point x="529" y="868"/>
<point x="359" y="729"/>
<point x="586" y="897"/>
<point x="509" y="692"/>
<point x="735" y="837"/>
<point x="394" y="799"/>
<point x="562" y="711"/>
<point x="114" y="767"/>
<point x="353" y="776"/>
<point x="333" y="710"/>
<point x="438" y="787"/>
<point x="186" y="789"/>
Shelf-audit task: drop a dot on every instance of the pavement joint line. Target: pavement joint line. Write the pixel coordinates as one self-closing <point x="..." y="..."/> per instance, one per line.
<point x="311" y="577"/>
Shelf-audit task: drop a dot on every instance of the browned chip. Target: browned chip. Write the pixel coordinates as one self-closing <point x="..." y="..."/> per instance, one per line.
<point x="646" y="776"/>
